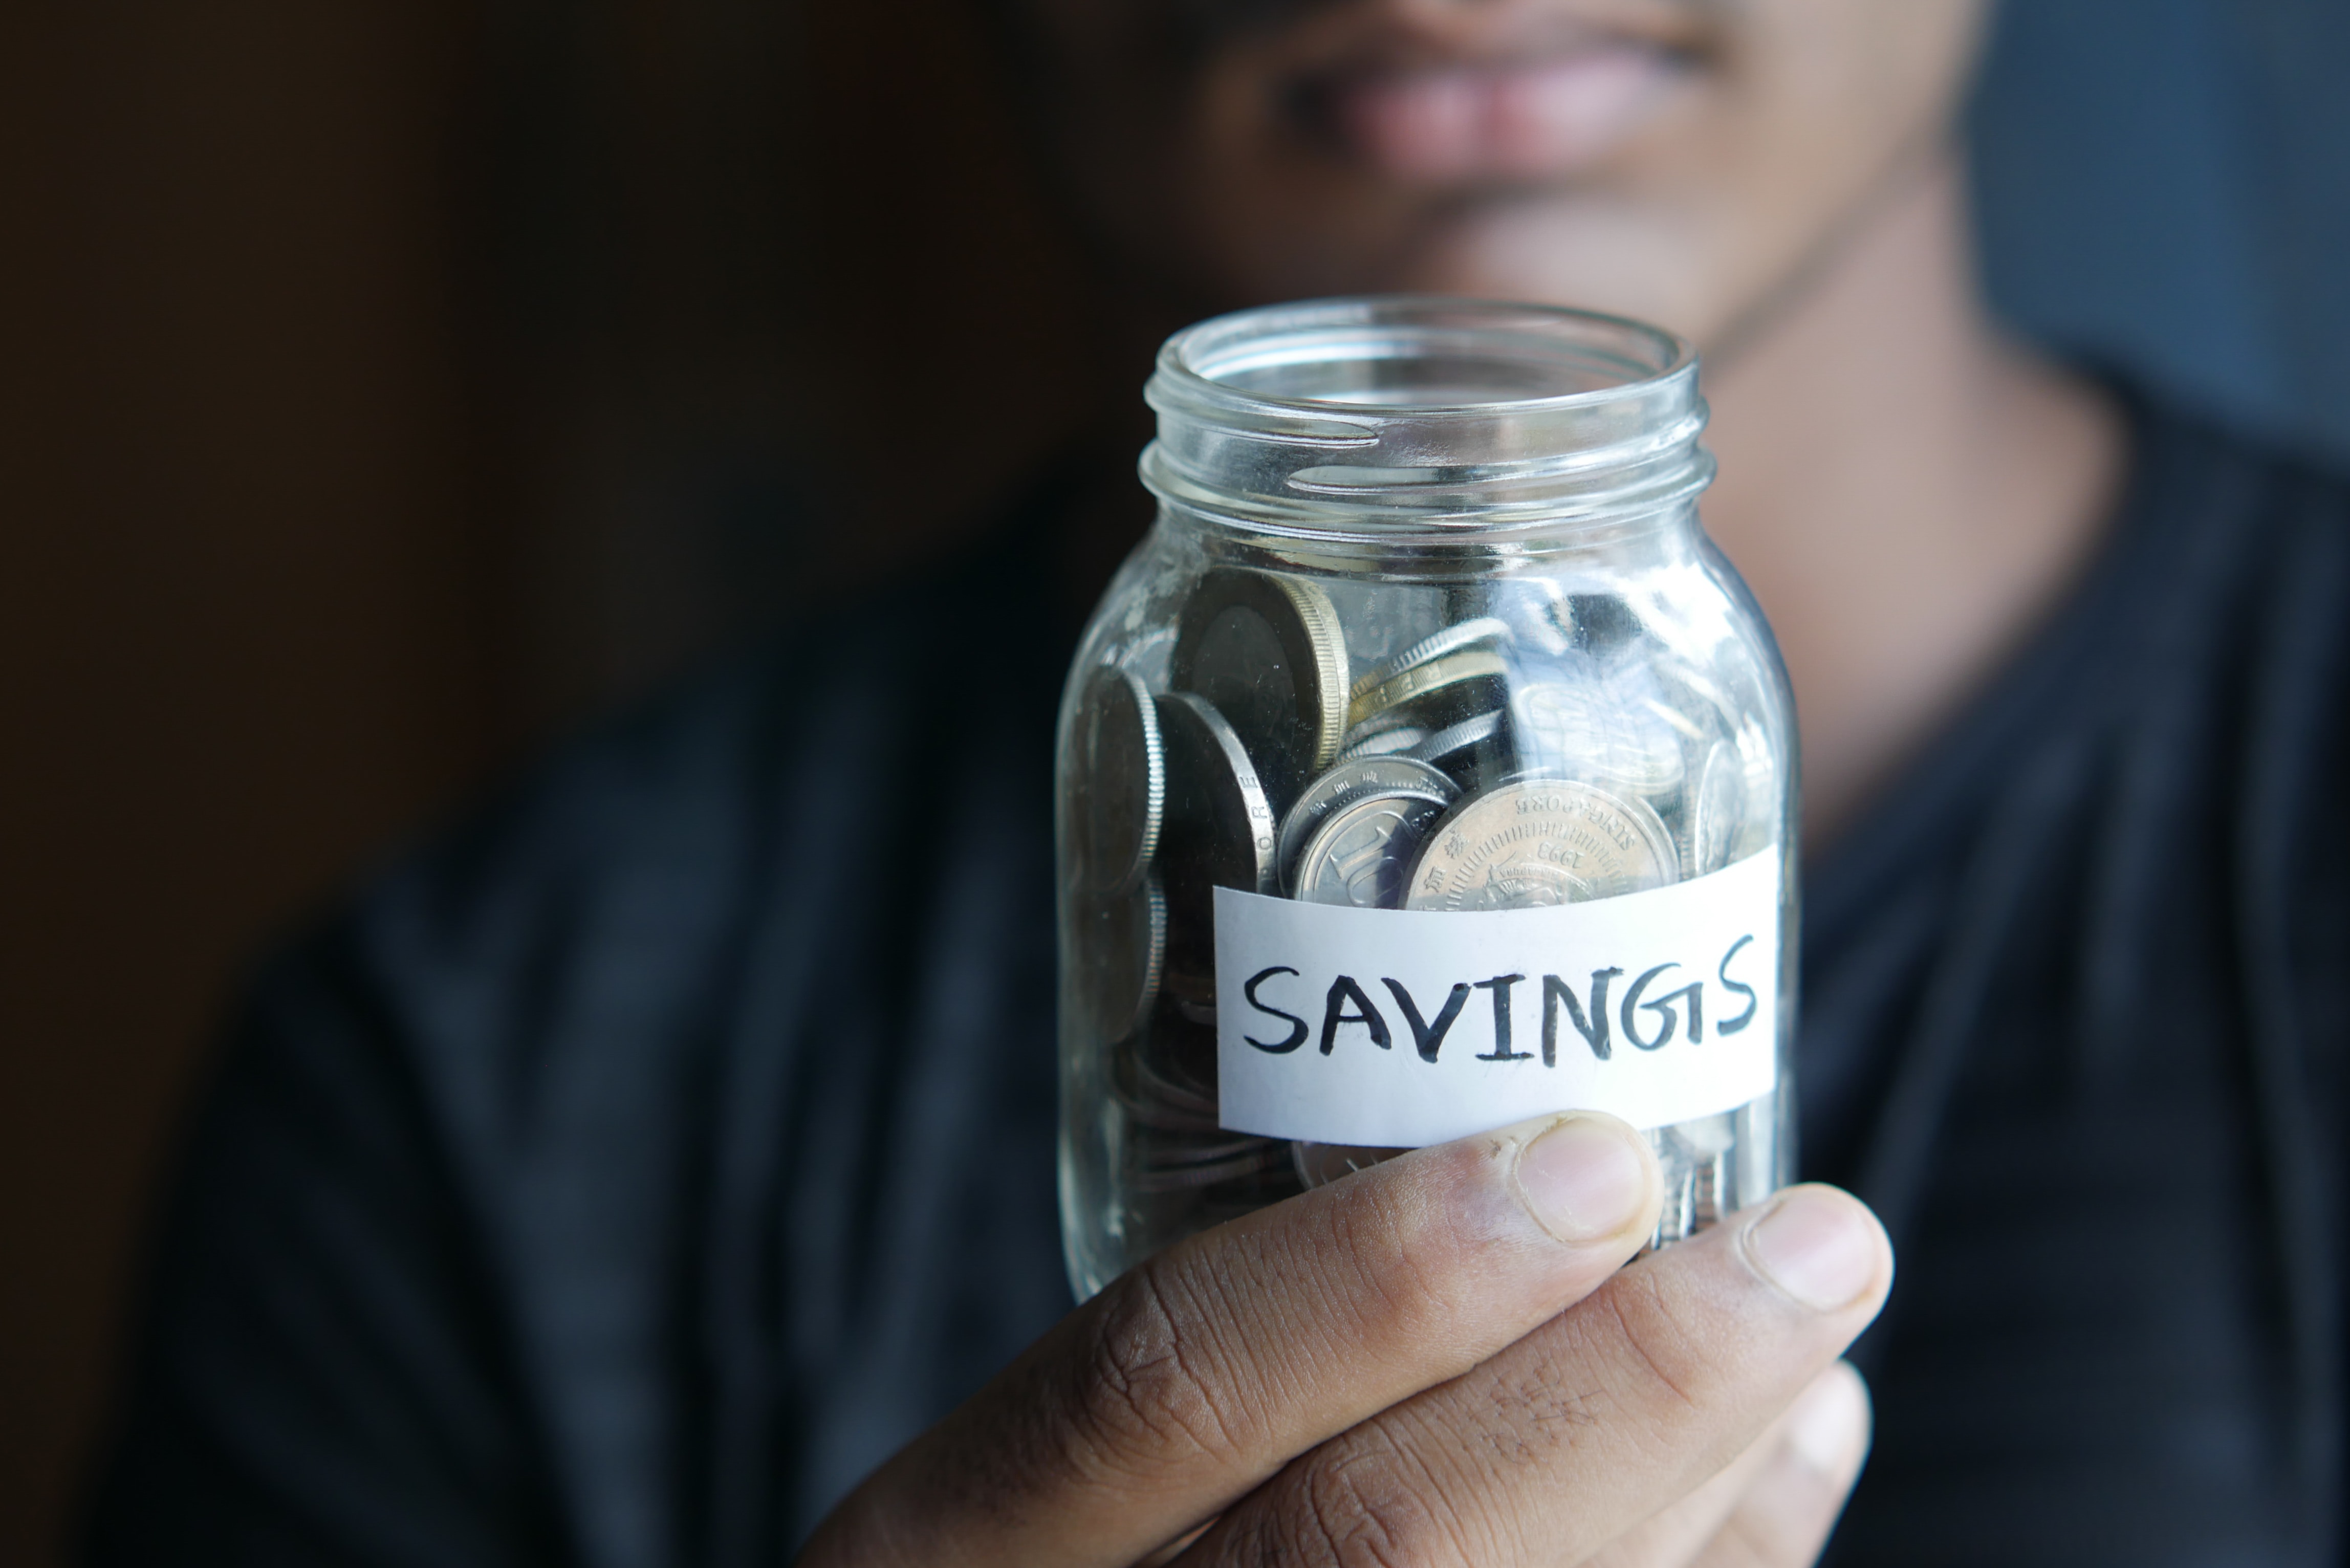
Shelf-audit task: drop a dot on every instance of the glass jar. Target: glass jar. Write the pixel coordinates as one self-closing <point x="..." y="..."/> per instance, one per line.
<point x="1426" y="768"/>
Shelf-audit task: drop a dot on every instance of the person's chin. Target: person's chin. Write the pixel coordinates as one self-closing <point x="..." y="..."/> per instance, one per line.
<point x="1589" y="251"/>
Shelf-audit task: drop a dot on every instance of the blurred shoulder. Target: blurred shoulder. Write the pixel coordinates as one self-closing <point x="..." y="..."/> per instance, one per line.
<point x="594" y="909"/>
<point x="2201" y="466"/>
<point x="427" y="1244"/>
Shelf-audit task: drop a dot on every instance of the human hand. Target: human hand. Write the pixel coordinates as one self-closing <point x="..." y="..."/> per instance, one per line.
<point x="1439" y="1360"/>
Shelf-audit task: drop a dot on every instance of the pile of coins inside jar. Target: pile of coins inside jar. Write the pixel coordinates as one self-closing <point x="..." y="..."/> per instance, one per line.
<point x="1448" y="773"/>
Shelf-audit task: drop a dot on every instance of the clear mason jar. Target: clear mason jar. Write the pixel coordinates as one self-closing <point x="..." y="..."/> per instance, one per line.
<point x="1429" y="722"/>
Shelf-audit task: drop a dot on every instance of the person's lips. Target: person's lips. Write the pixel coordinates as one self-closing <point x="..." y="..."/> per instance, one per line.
<point x="1509" y="119"/>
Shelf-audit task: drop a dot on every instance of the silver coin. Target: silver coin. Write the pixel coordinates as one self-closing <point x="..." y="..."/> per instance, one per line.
<point x="1466" y="675"/>
<point x="1165" y="1170"/>
<point x="1265" y="650"/>
<point x="1457" y="744"/>
<point x="1350" y="780"/>
<point x="1128" y="949"/>
<point x="1535" y="608"/>
<point x="1391" y="742"/>
<point x="1717" y="809"/>
<point x="1540" y="842"/>
<point x="1582" y="729"/>
<point x="1378" y="725"/>
<point x="1363" y="854"/>
<point x="1759" y="827"/>
<point x="1707" y="1137"/>
<point x="1176" y="1057"/>
<point x="1120" y="791"/>
<point x="1218" y="827"/>
<point x="1451" y="639"/>
<point x="1154" y="1099"/>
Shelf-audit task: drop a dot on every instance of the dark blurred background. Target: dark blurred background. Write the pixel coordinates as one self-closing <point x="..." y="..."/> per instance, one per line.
<point x="386" y="388"/>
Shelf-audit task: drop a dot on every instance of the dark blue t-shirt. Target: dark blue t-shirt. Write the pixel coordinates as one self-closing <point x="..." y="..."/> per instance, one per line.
<point x="617" y="1180"/>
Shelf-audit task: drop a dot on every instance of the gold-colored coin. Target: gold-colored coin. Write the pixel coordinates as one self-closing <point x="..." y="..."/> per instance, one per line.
<point x="1429" y="680"/>
<point x="1451" y="639"/>
<point x="1266" y="651"/>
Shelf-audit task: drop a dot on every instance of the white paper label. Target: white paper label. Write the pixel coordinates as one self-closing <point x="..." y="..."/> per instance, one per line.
<point x="1401" y="1028"/>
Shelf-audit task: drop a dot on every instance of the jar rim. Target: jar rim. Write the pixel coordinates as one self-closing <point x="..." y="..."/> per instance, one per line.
<point x="1375" y="414"/>
<point x="1203" y="359"/>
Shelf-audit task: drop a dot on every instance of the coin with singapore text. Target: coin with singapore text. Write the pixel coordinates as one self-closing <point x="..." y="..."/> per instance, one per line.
<point x="1120" y="789"/>
<point x="1265" y="650"/>
<point x="1364" y="853"/>
<point x="1541" y="842"/>
<point x="1349" y="782"/>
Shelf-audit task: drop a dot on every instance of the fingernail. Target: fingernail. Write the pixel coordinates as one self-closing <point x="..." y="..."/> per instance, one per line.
<point x="1817" y="1246"/>
<point x="1584" y="1180"/>
<point x="1828" y="1428"/>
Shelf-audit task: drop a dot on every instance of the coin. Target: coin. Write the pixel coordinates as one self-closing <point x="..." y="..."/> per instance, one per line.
<point x="1535" y="608"/>
<point x="1218" y="827"/>
<point x="1266" y="650"/>
<point x="1463" y="675"/>
<point x="1540" y="842"/>
<point x="1706" y="1136"/>
<point x="1582" y="729"/>
<point x="1178" y="1164"/>
<point x="1717" y="809"/>
<point x="1348" y="781"/>
<point x="1156" y="1075"/>
<point x="1363" y="854"/>
<point x="1177" y="1061"/>
<point x="1120" y="790"/>
<point x="1451" y="639"/>
<point x="1391" y="742"/>
<point x="1472" y="746"/>
<point x="1375" y="737"/>
<point x="1602" y="622"/>
<point x="1128" y="949"/>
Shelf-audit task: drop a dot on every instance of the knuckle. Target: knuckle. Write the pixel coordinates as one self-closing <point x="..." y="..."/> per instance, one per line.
<point x="1537" y="1412"/>
<point x="1406" y="1268"/>
<point x="1655" y="1346"/>
<point x="1370" y="1508"/>
<point x="1144" y="1399"/>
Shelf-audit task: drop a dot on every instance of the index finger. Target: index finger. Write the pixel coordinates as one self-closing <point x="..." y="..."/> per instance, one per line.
<point x="1197" y="1375"/>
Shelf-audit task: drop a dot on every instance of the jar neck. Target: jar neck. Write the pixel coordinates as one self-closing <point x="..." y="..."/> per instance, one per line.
<point x="1654" y="537"/>
<point x="1412" y="423"/>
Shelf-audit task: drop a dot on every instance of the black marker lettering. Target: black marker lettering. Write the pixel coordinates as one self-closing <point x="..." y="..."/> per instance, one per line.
<point x="1296" y="1024"/>
<point x="1500" y="986"/>
<point x="1663" y="1006"/>
<point x="1429" y="1037"/>
<point x="1753" y="1003"/>
<point x="1594" y="1029"/>
<point x="1342" y="990"/>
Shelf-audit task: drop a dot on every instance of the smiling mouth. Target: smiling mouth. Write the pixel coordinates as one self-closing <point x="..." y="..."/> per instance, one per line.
<point x="1506" y="120"/>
